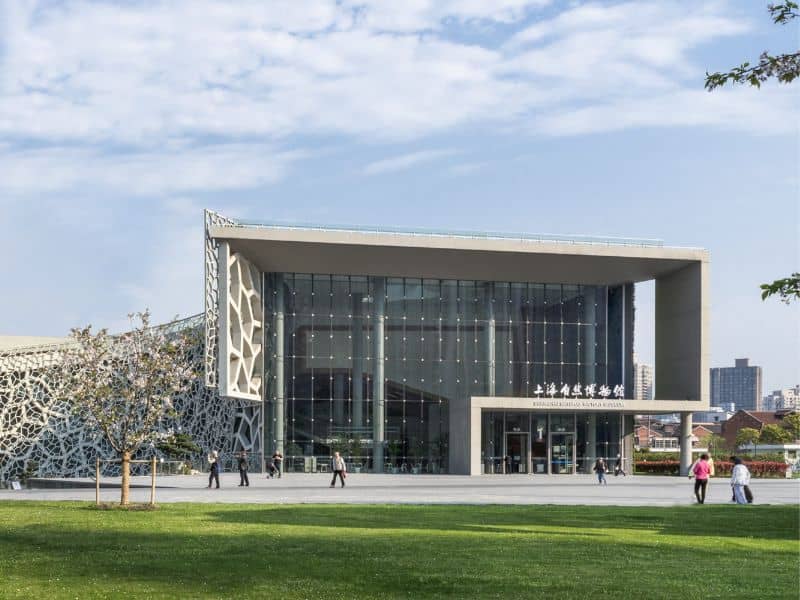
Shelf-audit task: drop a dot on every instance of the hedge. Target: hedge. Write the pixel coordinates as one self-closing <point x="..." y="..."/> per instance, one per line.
<point x="758" y="468"/>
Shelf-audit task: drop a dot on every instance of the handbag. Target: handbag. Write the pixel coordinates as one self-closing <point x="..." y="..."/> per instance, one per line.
<point x="748" y="495"/>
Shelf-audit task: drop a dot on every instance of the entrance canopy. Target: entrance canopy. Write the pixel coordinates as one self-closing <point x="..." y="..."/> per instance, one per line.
<point x="471" y="444"/>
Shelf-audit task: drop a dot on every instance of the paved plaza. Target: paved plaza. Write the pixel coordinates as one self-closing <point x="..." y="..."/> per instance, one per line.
<point x="426" y="489"/>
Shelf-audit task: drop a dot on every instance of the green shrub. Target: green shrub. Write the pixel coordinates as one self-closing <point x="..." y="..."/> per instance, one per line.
<point x="758" y="468"/>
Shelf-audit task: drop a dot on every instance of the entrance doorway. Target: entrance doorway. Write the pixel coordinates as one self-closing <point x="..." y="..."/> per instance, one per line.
<point x="562" y="453"/>
<point x="517" y="453"/>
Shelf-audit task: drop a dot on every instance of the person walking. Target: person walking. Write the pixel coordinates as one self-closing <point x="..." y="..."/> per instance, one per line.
<point x="277" y="459"/>
<point x="619" y="468"/>
<point x="600" y="468"/>
<point x="740" y="479"/>
<point x="242" y="462"/>
<point x="701" y="471"/>
<point x="215" y="470"/>
<point x="338" y="467"/>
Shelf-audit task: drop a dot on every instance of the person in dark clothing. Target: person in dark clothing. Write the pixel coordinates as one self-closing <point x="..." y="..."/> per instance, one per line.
<point x="600" y="469"/>
<point x="277" y="459"/>
<point x="242" y="462"/>
<point x="619" y="468"/>
<point x="213" y="474"/>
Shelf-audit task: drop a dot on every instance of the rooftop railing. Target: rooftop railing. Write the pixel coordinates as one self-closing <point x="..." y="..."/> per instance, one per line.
<point x="455" y="233"/>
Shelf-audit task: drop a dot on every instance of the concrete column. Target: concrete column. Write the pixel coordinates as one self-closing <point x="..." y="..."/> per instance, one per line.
<point x="627" y="442"/>
<point x="686" y="442"/>
<point x="357" y="386"/>
<point x="280" y="387"/>
<point x="378" y="377"/>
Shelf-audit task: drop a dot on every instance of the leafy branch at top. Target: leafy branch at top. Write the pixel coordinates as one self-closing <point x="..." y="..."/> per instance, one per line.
<point x="783" y="67"/>
<point x="788" y="288"/>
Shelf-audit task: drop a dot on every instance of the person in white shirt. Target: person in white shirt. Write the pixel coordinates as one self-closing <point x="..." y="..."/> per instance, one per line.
<point x="339" y="468"/>
<point x="739" y="479"/>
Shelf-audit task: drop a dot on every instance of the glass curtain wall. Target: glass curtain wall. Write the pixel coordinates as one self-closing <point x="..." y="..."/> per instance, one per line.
<point x="443" y="341"/>
<point x="562" y="437"/>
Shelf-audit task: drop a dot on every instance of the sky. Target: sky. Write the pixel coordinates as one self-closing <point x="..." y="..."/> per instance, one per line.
<point x="121" y="121"/>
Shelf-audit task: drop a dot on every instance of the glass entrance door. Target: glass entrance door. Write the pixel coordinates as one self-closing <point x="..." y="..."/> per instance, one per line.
<point x="562" y="453"/>
<point x="517" y="453"/>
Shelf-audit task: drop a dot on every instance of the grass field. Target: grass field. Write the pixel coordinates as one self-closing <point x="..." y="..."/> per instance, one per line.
<point x="69" y="550"/>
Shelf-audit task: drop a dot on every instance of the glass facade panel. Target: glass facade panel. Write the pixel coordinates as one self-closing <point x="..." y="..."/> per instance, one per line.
<point x="526" y="441"/>
<point x="443" y="341"/>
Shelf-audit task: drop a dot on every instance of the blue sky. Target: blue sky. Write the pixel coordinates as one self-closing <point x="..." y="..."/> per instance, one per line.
<point x="120" y="121"/>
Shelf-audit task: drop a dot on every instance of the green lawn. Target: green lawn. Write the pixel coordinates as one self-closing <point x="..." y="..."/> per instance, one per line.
<point x="60" y="550"/>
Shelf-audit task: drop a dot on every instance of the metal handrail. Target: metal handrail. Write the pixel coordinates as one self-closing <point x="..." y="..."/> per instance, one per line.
<point x="424" y="232"/>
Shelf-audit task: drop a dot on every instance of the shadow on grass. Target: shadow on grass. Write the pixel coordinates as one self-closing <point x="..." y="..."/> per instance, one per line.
<point x="762" y="522"/>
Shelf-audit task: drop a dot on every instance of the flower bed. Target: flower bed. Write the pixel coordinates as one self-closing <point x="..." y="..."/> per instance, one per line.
<point x="758" y="468"/>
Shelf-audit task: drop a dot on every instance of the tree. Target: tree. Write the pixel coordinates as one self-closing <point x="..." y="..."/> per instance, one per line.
<point x="746" y="436"/>
<point x="792" y="424"/>
<point x="178" y="445"/>
<point x="717" y="445"/>
<point x="785" y="68"/>
<point x="787" y="289"/>
<point x="774" y="434"/>
<point x="123" y="385"/>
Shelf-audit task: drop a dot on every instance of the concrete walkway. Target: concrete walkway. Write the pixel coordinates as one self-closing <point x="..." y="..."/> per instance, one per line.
<point x="429" y="489"/>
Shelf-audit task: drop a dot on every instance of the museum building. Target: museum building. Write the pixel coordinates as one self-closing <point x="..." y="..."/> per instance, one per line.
<point x="447" y="352"/>
<point x="406" y="351"/>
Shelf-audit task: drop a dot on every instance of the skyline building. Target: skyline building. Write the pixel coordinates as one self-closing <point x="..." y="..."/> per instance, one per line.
<point x="643" y="382"/>
<point x="739" y="385"/>
<point x="782" y="399"/>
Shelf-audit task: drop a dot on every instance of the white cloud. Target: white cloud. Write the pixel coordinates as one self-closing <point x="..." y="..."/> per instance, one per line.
<point x="143" y="172"/>
<point x="404" y="161"/>
<point x="682" y="108"/>
<point x="204" y="94"/>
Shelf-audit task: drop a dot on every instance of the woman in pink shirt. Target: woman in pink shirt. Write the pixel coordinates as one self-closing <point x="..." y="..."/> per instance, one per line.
<point x="701" y="472"/>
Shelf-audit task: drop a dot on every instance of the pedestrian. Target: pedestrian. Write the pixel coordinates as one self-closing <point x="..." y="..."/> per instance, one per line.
<point x="338" y="467"/>
<point x="600" y="469"/>
<point x="277" y="459"/>
<point x="701" y="471"/>
<point x="243" y="479"/>
<point x="619" y="468"/>
<point x="215" y="470"/>
<point x="740" y="479"/>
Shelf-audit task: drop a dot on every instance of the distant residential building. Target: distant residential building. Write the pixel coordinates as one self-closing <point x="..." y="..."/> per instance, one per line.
<point x="740" y="384"/>
<point x="642" y="381"/>
<point x="782" y="399"/>
<point x="701" y="435"/>
<point x="644" y="436"/>
<point x="753" y="419"/>
<point x="660" y="440"/>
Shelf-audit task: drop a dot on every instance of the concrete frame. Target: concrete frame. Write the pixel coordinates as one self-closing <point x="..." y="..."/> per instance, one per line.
<point x="682" y="298"/>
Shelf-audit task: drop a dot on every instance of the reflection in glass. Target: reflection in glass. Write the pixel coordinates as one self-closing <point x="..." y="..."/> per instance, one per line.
<point x="443" y="342"/>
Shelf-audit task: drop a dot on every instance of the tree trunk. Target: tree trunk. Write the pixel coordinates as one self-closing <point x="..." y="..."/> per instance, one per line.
<point x="126" y="479"/>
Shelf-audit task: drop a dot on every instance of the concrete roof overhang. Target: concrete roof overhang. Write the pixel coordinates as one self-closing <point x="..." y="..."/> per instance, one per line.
<point x="457" y="257"/>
